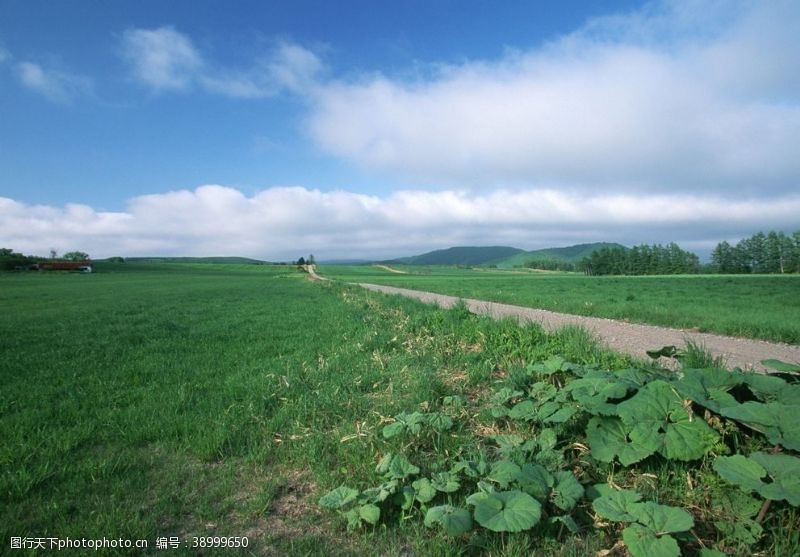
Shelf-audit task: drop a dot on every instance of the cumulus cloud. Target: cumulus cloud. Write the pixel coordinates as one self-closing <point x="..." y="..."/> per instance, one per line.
<point x="681" y="95"/>
<point x="165" y="59"/>
<point x="285" y="222"/>
<point x="55" y="85"/>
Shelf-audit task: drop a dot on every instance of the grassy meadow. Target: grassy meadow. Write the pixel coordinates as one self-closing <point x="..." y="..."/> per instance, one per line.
<point x="765" y="307"/>
<point x="150" y="400"/>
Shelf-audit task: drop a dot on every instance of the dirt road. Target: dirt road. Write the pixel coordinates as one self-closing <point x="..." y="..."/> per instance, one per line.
<point x="629" y="338"/>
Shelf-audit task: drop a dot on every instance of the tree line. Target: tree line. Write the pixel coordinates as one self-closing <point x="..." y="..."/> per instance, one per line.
<point x="774" y="252"/>
<point x="642" y="260"/>
<point x="10" y="259"/>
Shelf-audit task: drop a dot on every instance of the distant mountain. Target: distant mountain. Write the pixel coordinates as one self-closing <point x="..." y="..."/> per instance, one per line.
<point x="465" y="255"/>
<point x="572" y="254"/>
<point x="237" y="260"/>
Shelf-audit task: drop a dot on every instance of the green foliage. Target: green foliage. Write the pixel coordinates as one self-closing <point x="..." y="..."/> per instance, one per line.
<point x="650" y="523"/>
<point x="748" y="473"/>
<point x="642" y="260"/>
<point x="455" y="521"/>
<point x="188" y="411"/>
<point x="505" y="511"/>
<point x="781" y="366"/>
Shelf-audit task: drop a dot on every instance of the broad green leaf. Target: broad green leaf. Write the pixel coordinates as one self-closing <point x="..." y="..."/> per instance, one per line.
<point x="687" y="438"/>
<point x="635" y="377"/>
<point x="524" y="410"/>
<point x="735" y="510"/>
<point x="542" y="391"/>
<point x="535" y="480"/>
<point x="393" y="429"/>
<point x="439" y="421"/>
<point x="657" y="414"/>
<point x="547" y="439"/>
<point x="765" y="387"/>
<point x="551" y="365"/>
<point x="567" y="491"/>
<point x="643" y="542"/>
<point x="662" y="519"/>
<point x="508" y="444"/>
<point x="339" y="497"/>
<point x="469" y="469"/>
<point x="405" y="499"/>
<point x="353" y="519"/>
<point x="599" y="490"/>
<point x="503" y="473"/>
<point x="507" y="511"/>
<point x="747" y="473"/>
<point x="614" y="505"/>
<point x="563" y="413"/>
<point x="781" y="366"/>
<point x="445" y="482"/>
<point x="790" y="395"/>
<point x="504" y="395"/>
<point x="593" y="393"/>
<point x="380" y="493"/>
<point x="779" y="422"/>
<point x="423" y="490"/>
<point x="455" y="521"/>
<point x="709" y="387"/>
<point x="740" y="470"/>
<point x="499" y="411"/>
<point x="608" y="438"/>
<point x="405" y="422"/>
<point x="785" y="473"/>
<point x="456" y="401"/>
<point x="396" y="467"/>
<point x="707" y="552"/>
<point x="369" y="513"/>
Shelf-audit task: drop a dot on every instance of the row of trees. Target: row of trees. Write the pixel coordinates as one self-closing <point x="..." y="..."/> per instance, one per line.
<point x="642" y="260"/>
<point x="10" y="259"/>
<point x="774" y="252"/>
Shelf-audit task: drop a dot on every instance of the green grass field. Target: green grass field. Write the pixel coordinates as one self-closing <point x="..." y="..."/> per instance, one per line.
<point x="761" y="306"/>
<point x="187" y="400"/>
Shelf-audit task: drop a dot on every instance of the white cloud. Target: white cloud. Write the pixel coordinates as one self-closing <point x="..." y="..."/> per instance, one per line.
<point x="682" y="96"/>
<point x="295" y="68"/>
<point x="285" y="222"/>
<point x="54" y="85"/>
<point x="165" y="59"/>
<point x="162" y="58"/>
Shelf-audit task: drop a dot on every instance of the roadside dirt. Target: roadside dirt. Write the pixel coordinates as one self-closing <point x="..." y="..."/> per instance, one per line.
<point x="630" y="338"/>
<point x="387" y="268"/>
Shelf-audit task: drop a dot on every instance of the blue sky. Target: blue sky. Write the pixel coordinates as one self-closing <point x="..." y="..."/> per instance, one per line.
<point x="377" y="129"/>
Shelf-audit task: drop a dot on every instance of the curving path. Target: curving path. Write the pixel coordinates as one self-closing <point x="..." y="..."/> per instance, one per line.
<point x="631" y="338"/>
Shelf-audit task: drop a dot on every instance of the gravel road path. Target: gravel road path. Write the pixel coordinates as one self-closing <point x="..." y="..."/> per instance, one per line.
<point x="630" y="338"/>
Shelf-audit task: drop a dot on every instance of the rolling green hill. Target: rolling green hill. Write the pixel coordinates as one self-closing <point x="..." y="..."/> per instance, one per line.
<point x="464" y="255"/>
<point x="572" y="254"/>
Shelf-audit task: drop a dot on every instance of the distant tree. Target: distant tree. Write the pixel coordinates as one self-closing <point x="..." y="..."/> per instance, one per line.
<point x="301" y="261"/>
<point x="722" y="258"/>
<point x="76" y="256"/>
<point x="53" y="253"/>
<point x="116" y="259"/>
<point x="311" y="260"/>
